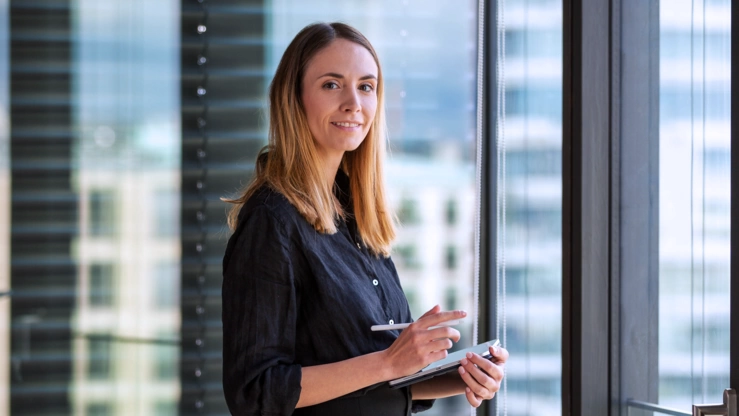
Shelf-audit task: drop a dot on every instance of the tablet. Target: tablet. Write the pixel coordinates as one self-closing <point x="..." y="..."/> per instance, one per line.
<point x="443" y="366"/>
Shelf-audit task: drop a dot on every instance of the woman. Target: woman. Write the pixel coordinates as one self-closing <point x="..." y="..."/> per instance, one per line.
<point x="307" y="270"/>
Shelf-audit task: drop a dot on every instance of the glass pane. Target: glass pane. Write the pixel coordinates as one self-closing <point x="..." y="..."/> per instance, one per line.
<point x="91" y="133"/>
<point x="637" y="411"/>
<point x="530" y="231"/>
<point x="126" y="170"/>
<point x="694" y="200"/>
<point x="428" y="57"/>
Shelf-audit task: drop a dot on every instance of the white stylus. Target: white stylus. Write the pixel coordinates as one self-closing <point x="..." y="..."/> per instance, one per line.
<point x="403" y="326"/>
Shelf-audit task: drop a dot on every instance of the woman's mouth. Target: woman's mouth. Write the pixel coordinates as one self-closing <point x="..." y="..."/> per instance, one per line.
<point x="345" y="124"/>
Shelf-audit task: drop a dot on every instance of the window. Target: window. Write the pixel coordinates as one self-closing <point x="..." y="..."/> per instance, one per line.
<point x="98" y="409"/>
<point x="102" y="287"/>
<point x="122" y="123"/>
<point x="408" y="212"/>
<point x="529" y="225"/>
<point x="450" y="299"/>
<point x="408" y="256"/>
<point x="93" y="98"/>
<point x="99" y="358"/>
<point x="102" y="212"/>
<point x="451" y="212"/>
<point x="694" y="131"/>
<point x="165" y="360"/>
<point x="165" y="409"/>
<point x="537" y="42"/>
<point x="167" y="217"/>
<point x="532" y="100"/>
<point x="166" y="286"/>
<point x="674" y="203"/>
<point x="451" y="257"/>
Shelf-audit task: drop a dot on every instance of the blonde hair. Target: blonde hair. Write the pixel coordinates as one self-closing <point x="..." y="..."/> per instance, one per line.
<point x="290" y="163"/>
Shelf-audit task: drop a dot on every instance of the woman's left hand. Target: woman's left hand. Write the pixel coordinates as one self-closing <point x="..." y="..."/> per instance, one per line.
<point x="483" y="376"/>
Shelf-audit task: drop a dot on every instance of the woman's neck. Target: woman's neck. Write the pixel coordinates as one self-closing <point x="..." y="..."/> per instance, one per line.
<point x="330" y="168"/>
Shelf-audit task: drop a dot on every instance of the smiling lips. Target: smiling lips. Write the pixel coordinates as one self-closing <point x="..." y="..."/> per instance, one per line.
<point x="345" y="124"/>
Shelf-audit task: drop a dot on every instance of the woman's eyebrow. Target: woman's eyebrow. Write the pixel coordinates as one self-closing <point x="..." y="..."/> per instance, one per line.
<point x="337" y="75"/>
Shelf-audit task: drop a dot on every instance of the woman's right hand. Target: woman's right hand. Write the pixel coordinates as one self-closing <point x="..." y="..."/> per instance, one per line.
<point x="418" y="346"/>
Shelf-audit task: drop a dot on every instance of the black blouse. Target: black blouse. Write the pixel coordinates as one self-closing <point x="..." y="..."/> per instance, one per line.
<point x="293" y="297"/>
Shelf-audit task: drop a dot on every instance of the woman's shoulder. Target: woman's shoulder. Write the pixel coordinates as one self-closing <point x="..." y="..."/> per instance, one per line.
<point x="265" y="222"/>
<point x="266" y="202"/>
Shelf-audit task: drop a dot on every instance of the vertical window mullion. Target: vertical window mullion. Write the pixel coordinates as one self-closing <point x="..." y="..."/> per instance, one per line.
<point x="586" y="199"/>
<point x="734" y="312"/>
<point x="487" y="226"/>
<point x="636" y="200"/>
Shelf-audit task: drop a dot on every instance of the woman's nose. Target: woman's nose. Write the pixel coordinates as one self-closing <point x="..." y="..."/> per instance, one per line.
<point x="351" y="102"/>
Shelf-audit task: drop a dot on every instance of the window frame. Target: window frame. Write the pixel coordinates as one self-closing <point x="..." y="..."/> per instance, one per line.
<point x="593" y="280"/>
<point x="734" y="309"/>
<point x="487" y="159"/>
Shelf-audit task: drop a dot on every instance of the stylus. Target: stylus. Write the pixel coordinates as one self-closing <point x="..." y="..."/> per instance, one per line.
<point x="403" y="326"/>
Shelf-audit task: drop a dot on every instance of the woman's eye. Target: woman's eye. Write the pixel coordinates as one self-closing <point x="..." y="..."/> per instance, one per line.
<point x="331" y="85"/>
<point x="366" y="88"/>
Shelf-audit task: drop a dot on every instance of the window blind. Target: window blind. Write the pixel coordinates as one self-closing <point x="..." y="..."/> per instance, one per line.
<point x="43" y="207"/>
<point x="223" y="81"/>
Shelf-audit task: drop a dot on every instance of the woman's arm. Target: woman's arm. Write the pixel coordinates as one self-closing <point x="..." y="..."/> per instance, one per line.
<point x="415" y="348"/>
<point x="478" y="378"/>
<point x="446" y="385"/>
<point x="321" y="383"/>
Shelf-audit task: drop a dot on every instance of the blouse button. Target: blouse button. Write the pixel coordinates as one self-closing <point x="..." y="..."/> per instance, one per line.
<point x="391" y="322"/>
<point x="375" y="282"/>
<point x="359" y="246"/>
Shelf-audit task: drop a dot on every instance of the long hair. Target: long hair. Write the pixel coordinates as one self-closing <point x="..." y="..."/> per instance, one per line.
<point x="290" y="163"/>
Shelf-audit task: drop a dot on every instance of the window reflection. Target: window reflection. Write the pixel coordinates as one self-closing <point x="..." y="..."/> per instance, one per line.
<point x="101" y="285"/>
<point x="533" y="205"/>
<point x="99" y="409"/>
<point x="124" y="147"/>
<point x="694" y="201"/>
<point x="102" y="210"/>
<point x="98" y="358"/>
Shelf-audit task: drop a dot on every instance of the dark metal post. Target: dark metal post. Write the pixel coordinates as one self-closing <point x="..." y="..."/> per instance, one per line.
<point x="586" y="208"/>
<point x="734" y="325"/>
<point x="488" y="187"/>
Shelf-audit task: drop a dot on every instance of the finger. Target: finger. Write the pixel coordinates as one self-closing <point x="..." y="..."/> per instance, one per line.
<point x="436" y="356"/>
<point x="434" y="319"/>
<point x="500" y="354"/>
<point x="480" y="383"/>
<point x="472" y="383"/>
<point x="431" y="311"/>
<point x="440" y="344"/>
<point x="486" y="366"/>
<point x="472" y="398"/>
<point x="444" y="332"/>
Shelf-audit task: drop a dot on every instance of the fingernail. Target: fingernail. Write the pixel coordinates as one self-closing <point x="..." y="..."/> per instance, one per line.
<point x="467" y="389"/>
<point x="463" y="362"/>
<point x="497" y="350"/>
<point x="464" y="313"/>
<point x="469" y="355"/>
<point x="461" y="370"/>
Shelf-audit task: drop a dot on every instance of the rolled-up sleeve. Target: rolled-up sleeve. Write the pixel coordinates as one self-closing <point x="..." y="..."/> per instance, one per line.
<point x="259" y="317"/>
<point x="421" y="405"/>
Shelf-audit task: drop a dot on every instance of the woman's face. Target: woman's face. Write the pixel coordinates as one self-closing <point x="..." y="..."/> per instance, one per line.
<point x="340" y="97"/>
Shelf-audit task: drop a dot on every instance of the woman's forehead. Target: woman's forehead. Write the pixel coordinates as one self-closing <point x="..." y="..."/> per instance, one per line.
<point x="342" y="57"/>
